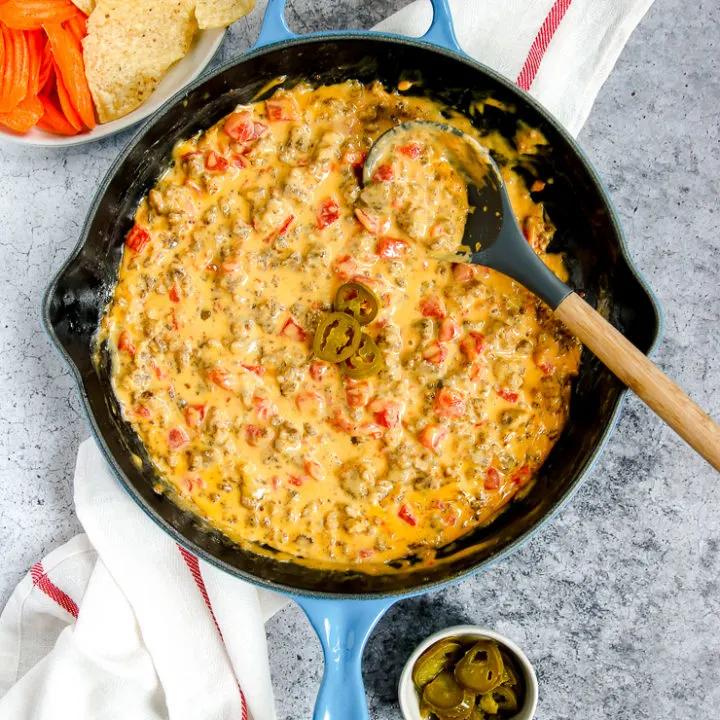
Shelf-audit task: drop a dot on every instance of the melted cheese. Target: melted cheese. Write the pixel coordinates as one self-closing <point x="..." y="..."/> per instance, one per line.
<point x="211" y="322"/>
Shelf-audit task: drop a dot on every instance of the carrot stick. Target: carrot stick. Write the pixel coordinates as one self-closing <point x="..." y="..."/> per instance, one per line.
<point x="71" y="114"/>
<point x="16" y="70"/>
<point x="2" y="63"/>
<point x="46" y="66"/>
<point x="69" y="64"/>
<point x="35" y="43"/>
<point x="77" y="25"/>
<point x="53" y="120"/>
<point x="32" y="14"/>
<point x="25" y="115"/>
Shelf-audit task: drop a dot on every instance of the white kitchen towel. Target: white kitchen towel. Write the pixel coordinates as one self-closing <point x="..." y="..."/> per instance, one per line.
<point x="121" y="622"/>
<point x="562" y="51"/>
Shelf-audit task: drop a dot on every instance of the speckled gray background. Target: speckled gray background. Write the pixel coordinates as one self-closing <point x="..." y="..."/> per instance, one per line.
<point x="618" y="601"/>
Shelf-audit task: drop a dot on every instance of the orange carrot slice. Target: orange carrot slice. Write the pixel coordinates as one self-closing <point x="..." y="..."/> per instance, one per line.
<point x="53" y="120"/>
<point x="16" y="69"/>
<point x="69" y="64"/>
<point x="47" y="70"/>
<point x="77" y="25"/>
<point x="25" y="115"/>
<point x="2" y="62"/>
<point x="32" y="14"/>
<point x="71" y="114"/>
<point x="36" y="47"/>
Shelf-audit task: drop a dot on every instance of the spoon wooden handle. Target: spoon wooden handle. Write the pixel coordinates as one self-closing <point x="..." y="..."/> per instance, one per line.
<point x="642" y="376"/>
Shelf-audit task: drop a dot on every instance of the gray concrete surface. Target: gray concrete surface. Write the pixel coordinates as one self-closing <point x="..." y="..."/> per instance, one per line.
<point x="617" y="602"/>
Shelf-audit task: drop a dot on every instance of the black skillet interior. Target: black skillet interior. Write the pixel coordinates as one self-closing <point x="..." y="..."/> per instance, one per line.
<point x="586" y="230"/>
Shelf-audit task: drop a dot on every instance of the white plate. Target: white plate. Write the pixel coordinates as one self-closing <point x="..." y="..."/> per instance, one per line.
<point x="203" y="50"/>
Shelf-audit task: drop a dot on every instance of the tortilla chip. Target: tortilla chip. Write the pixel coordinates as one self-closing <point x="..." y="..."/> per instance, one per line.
<point x="87" y="6"/>
<point x="221" y="13"/>
<point x="129" y="47"/>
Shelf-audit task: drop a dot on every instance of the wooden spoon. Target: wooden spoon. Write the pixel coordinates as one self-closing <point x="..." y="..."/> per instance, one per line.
<point x="494" y="239"/>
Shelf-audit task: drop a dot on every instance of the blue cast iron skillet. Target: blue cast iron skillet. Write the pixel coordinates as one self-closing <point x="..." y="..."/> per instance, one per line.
<point x="345" y="606"/>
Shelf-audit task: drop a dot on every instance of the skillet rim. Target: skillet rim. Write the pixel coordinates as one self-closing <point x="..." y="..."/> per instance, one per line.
<point x="177" y="99"/>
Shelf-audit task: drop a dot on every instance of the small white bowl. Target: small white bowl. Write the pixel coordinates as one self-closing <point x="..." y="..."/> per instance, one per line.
<point x="406" y="689"/>
<point x="182" y="73"/>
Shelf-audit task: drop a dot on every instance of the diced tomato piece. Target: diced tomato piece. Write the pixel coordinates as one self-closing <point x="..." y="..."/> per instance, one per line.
<point x="463" y="272"/>
<point x="315" y="470"/>
<point x="435" y="353"/>
<point x="318" y="370"/>
<point x="387" y="412"/>
<point x="522" y="476"/>
<point x="240" y="126"/>
<point x="258" y="370"/>
<point x="174" y="294"/>
<point x="125" y="343"/>
<point x="232" y="265"/>
<point x="239" y="161"/>
<point x="412" y="150"/>
<point x="449" y="330"/>
<point x="215" y="162"/>
<point x="405" y="514"/>
<point x="478" y="371"/>
<point x="374" y="225"/>
<point x="328" y="213"/>
<point x="222" y="378"/>
<point x="345" y="267"/>
<point x="310" y="403"/>
<point x="354" y="158"/>
<point x="342" y="423"/>
<point x="366" y="553"/>
<point x="357" y="393"/>
<point x="193" y="153"/>
<point x="254" y="433"/>
<point x="546" y="367"/>
<point x="449" y="403"/>
<point x="434" y="307"/>
<point x="143" y="412"/>
<point x="259" y="129"/>
<point x="384" y="173"/>
<point x="195" y="414"/>
<point x="137" y="239"/>
<point x="190" y="482"/>
<point x="160" y="374"/>
<point x="263" y="407"/>
<point x="432" y="435"/>
<point x="372" y="430"/>
<point x="295" y="480"/>
<point x="177" y="438"/>
<point x="285" y="226"/>
<point x="280" y="109"/>
<point x="293" y="330"/>
<point x="508" y="395"/>
<point x="389" y="248"/>
<point x="472" y="345"/>
<point x="492" y="479"/>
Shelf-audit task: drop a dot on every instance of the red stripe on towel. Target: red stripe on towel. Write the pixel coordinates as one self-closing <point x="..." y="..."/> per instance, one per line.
<point x="194" y="567"/>
<point x="541" y="42"/>
<point x="44" y="583"/>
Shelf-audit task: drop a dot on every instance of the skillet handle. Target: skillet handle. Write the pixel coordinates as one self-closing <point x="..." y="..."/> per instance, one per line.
<point x="642" y="376"/>
<point x="441" y="31"/>
<point x="343" y="627"/>
<point x="274" y="27"/>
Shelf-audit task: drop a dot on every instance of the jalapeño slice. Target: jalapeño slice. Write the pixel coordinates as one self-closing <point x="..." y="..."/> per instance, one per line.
<point x="337" y="337"/>
<point x="357" y="300"/>
<point x="365" y="361"/>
